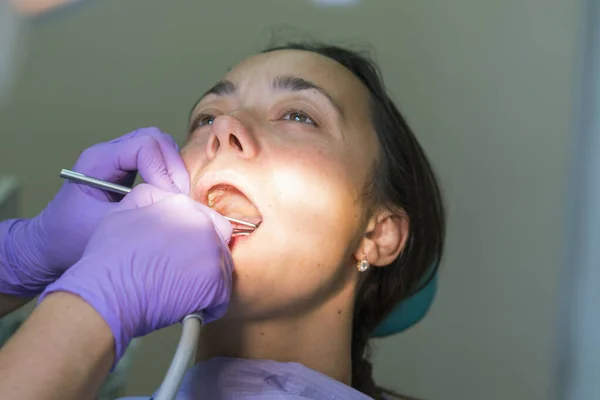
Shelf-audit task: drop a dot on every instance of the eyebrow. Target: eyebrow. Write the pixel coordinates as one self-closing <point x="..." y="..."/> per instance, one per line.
<point x="289" y="83"/>
<point x="221" y="88"/>
<point x="296" y="84"/>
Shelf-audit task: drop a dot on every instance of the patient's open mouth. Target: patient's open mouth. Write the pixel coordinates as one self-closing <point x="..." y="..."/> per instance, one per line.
<point x="231" y="202"/>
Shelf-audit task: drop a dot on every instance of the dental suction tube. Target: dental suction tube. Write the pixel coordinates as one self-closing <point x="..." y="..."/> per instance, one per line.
<point x="184" y="355"/>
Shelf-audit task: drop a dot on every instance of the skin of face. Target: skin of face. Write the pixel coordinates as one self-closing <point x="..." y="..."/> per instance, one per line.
<point x="304" y="166"/>
<point x="292" y="131"/>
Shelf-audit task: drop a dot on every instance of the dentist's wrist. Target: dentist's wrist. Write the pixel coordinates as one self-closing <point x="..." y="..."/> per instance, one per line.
<point x="101" y="300"/>
<point x="63" y="347"/>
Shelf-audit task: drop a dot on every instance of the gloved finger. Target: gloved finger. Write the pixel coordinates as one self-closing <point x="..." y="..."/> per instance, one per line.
<point x="228" y="265"/>
<point x="151" y="152"/>
<point x="184" y="204"/>
<point x="142" y="195"/>
<point x="222" y="226"/>
<point x="218" y="310"/>
<point x="155" y="155"/>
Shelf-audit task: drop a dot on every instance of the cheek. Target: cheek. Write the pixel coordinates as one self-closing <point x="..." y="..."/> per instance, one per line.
<point x="300" y="256"/>
<point x="193" y="155"/>
<point x="314" y="218"/>
<point x="317" y="185"/>
<point x="315" y="195"/>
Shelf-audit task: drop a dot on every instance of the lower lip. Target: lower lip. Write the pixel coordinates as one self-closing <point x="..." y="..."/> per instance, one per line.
<point x="239" y="239"/>
<point x="235" y="240"/>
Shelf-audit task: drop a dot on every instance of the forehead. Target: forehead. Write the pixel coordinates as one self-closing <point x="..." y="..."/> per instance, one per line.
<point x="338" y="81"/>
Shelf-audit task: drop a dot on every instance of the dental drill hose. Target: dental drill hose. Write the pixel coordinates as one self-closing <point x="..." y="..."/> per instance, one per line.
<point x="185" y="353"/>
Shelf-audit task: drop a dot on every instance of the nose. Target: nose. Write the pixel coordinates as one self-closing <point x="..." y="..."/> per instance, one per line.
<point x="229" y="134"/>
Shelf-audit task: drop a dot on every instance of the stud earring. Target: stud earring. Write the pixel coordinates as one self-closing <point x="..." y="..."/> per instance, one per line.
<point x="363" y="264"/>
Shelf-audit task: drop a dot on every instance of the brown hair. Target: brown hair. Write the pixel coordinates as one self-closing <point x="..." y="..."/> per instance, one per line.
<point x="402" y="179"/>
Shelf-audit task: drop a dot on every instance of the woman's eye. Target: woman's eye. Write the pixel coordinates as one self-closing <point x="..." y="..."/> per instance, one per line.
<point x="204" y="120"/>
<point x="300" y="117"/>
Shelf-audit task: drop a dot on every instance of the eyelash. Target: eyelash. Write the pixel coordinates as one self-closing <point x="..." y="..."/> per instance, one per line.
<point x="301" y="112"/>
<point x="199" y="118"/>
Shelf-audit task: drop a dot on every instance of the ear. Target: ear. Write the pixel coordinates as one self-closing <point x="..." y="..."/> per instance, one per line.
<point x="384" y="239"/>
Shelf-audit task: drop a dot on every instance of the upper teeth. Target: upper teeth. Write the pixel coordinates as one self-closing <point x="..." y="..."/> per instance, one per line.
<point x="211" y="197"/>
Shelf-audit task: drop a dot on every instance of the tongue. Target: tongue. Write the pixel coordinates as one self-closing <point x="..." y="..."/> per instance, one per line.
<point x="230" y="202"/>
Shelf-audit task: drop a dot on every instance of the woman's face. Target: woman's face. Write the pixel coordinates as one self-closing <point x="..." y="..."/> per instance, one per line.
<point x="285" y="140"/>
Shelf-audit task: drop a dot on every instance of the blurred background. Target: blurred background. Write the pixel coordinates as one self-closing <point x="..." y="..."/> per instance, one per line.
<point x="488" y="87"/>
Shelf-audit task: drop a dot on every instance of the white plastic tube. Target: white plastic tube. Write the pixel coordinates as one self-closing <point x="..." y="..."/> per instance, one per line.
<point x="185" y="353"/>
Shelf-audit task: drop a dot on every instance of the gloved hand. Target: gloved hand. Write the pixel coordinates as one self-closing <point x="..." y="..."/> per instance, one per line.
<point x="157" y="259"/>
<point x="35" y="252"/>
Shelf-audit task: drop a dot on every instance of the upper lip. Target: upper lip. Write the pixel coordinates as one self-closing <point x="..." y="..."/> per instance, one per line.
<point x="231" y="178"/>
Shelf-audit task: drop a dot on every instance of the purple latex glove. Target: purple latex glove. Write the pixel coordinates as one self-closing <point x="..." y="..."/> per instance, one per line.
<point x="157" y="259"/>
<point x="35" y="252"/>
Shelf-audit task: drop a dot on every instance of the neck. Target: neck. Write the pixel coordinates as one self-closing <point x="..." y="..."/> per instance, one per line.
<point x="320" y="340"/>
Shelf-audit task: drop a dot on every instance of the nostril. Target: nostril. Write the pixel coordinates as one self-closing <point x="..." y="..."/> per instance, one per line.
<point x="215" y="145"/>
<point x="235" y="142"/>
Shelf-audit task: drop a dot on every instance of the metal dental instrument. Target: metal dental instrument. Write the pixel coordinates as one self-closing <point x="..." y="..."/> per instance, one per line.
<point x="113" y="187"/>
<point x="97" y="183"/>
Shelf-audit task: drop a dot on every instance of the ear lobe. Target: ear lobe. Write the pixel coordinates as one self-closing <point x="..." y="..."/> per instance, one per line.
<point x="385" y="238"/>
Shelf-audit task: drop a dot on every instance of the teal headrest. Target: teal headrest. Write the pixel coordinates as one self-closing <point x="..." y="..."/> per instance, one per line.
<point x="409" y="311"/>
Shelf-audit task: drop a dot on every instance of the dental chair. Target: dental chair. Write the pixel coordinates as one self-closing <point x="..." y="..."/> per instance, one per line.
<point x="408" y="312"/>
